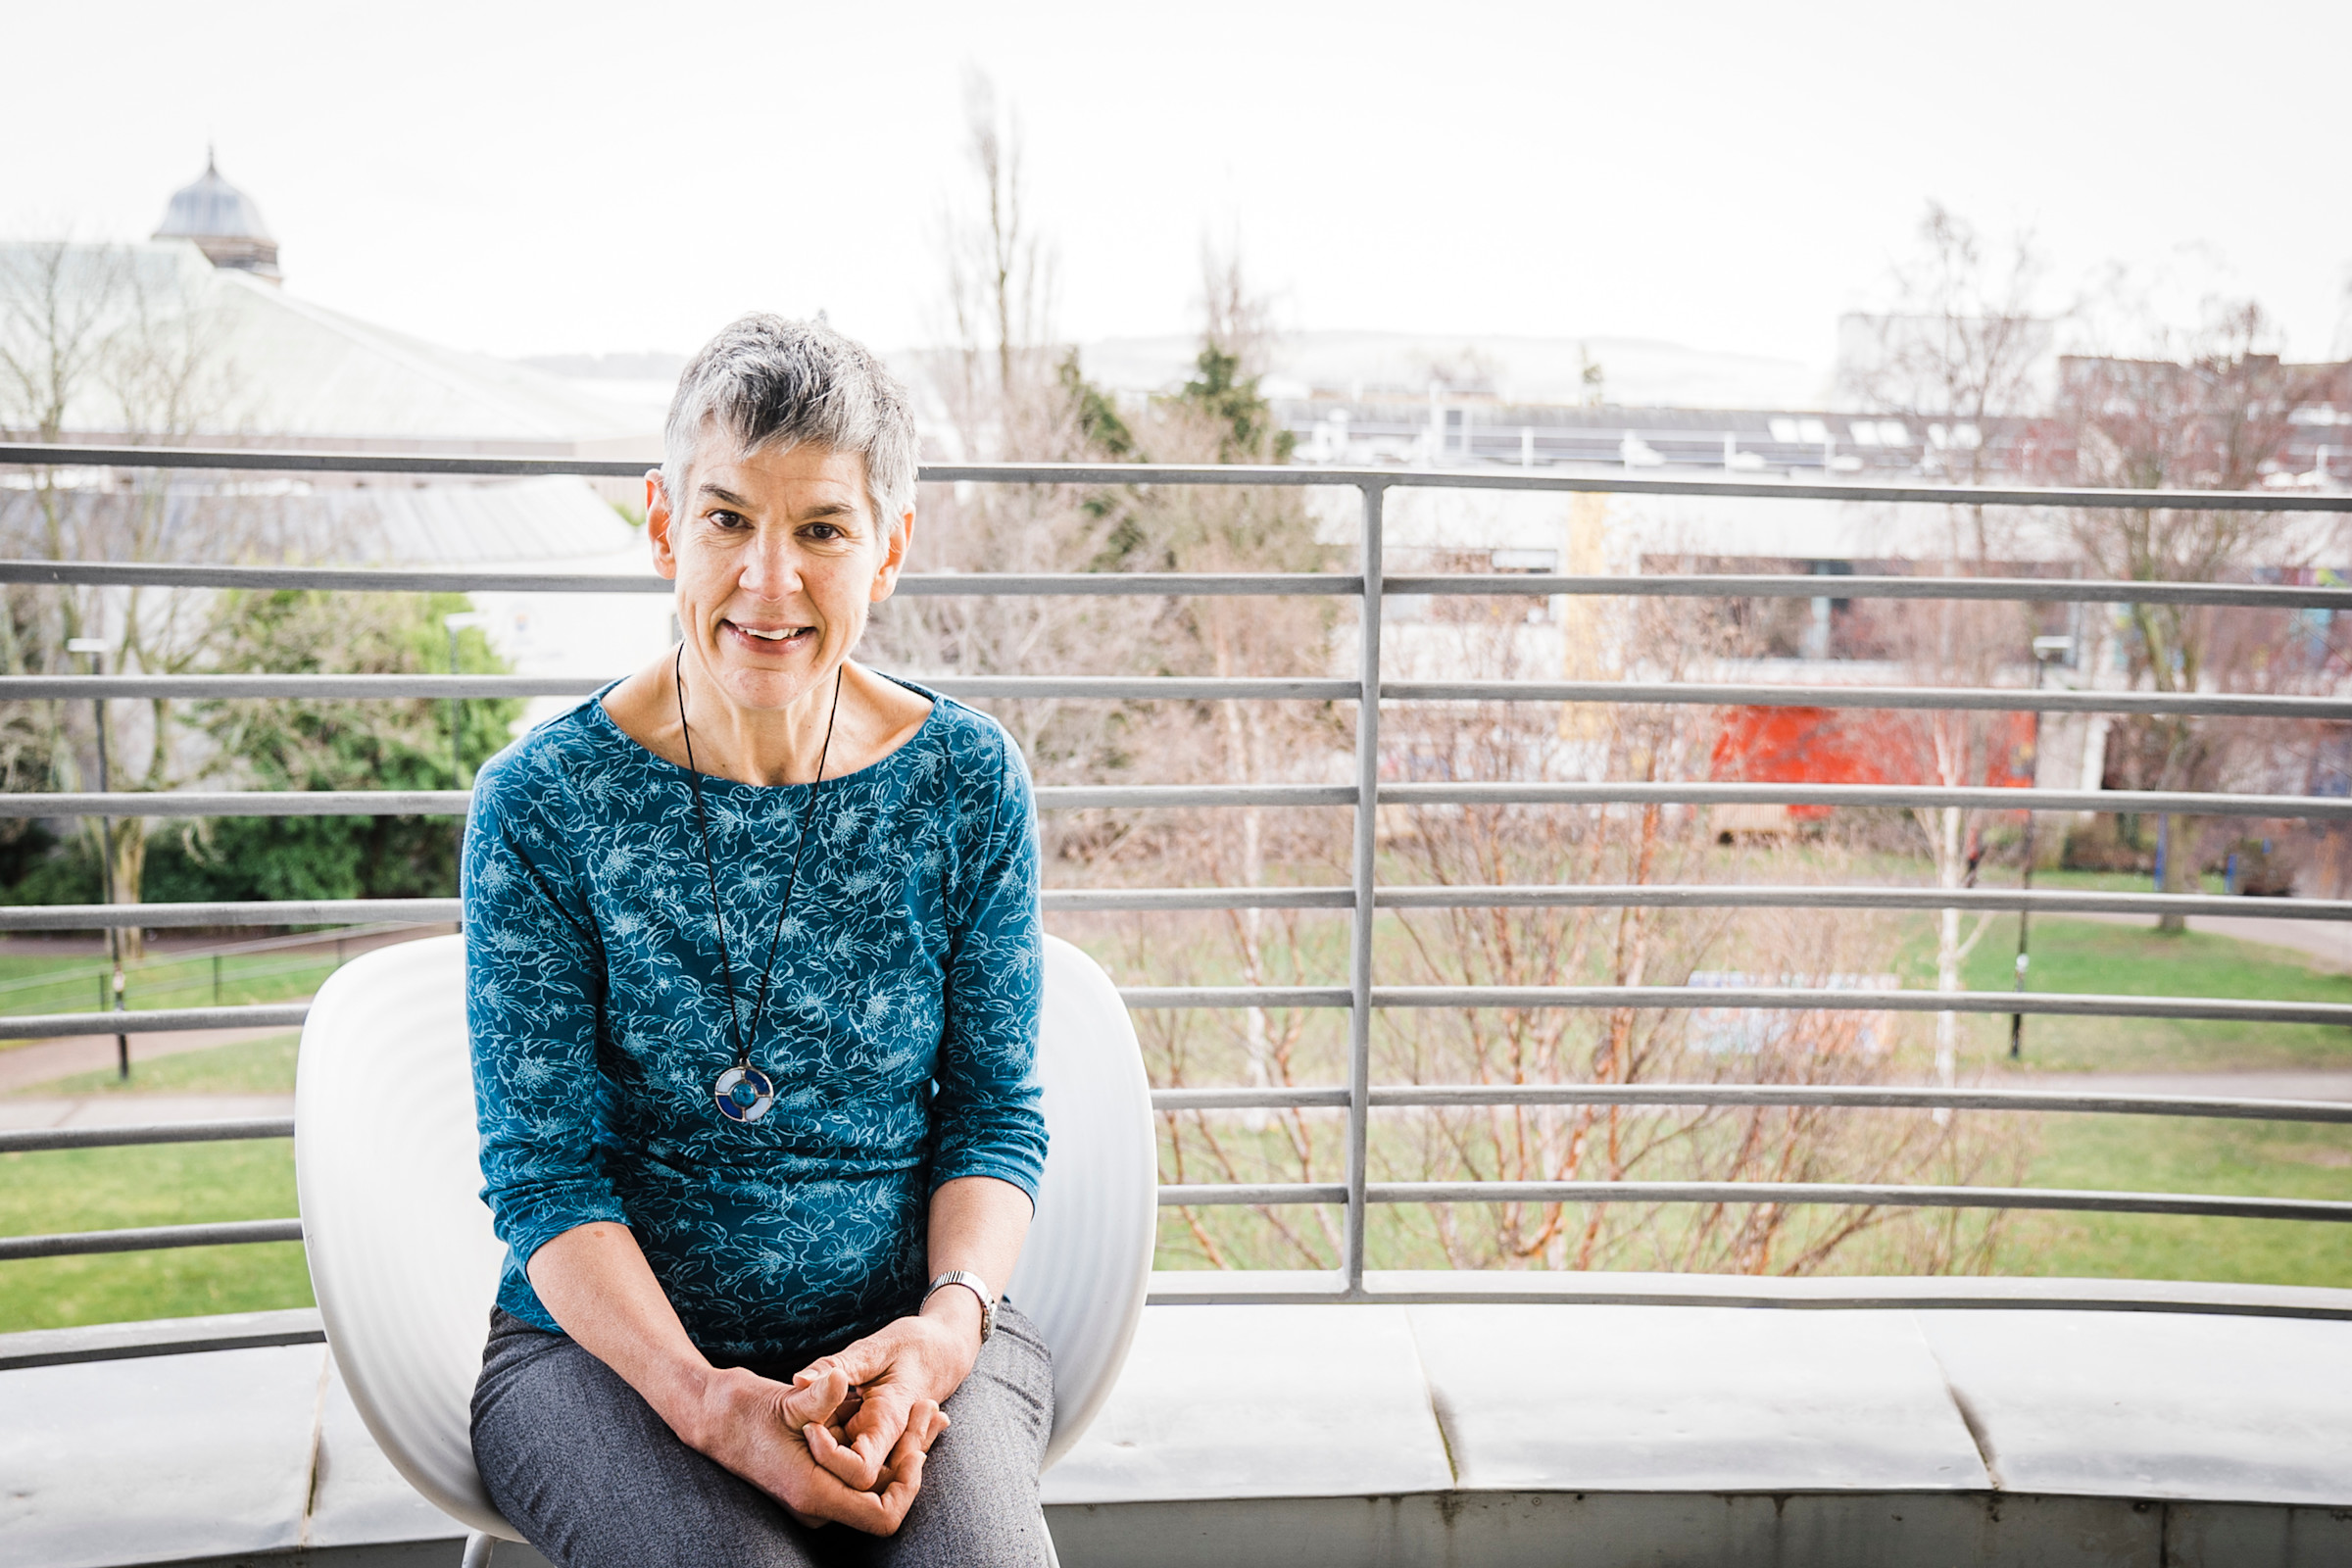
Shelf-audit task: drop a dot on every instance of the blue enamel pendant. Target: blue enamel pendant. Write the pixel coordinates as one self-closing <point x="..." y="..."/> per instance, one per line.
<point x="744" y="1094"/>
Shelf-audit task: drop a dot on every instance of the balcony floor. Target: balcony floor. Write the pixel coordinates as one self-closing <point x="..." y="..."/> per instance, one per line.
<point x="1491" y="1432"/>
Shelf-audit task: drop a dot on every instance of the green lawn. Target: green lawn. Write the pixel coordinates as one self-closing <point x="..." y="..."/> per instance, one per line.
<point x="35" y="981"/>
<point x="2085" y="956"/>
<point x="2164" y="1153"/>
<point x="105" y="1189"/>
<point x="165" y="1184"/>
<point x="249" y="1067"/>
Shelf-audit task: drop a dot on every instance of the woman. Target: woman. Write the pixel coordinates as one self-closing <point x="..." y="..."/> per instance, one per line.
<point x="753" y="964"/>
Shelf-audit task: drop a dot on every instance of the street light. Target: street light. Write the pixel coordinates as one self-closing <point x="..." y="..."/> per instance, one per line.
<point x="2047" y="651"/>
<point x="456" y="622"/>
<point x="95" y="648"/>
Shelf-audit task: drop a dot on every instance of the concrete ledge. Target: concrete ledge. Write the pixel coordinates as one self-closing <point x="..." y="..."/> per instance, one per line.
<point x="1504" y="1432"/>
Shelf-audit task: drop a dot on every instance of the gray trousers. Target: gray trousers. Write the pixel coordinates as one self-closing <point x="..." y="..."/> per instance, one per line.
<point x="581" y="1465"/>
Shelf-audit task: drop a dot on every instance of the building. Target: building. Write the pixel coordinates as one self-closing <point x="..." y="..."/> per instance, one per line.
<point x="218" y="351"/>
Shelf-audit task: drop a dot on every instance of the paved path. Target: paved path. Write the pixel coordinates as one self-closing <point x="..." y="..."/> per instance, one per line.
<point x="2285" y="1084"/>
<point x="132" y="1110"/>
<point x="23" y="1066"/>
<point x="2322" y="943"/>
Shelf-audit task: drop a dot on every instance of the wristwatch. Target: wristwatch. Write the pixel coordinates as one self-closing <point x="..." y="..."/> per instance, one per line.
<point x="978" y="1287"/>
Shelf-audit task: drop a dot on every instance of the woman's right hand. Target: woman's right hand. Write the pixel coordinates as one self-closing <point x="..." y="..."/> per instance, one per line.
<point x="758" y="1429"/>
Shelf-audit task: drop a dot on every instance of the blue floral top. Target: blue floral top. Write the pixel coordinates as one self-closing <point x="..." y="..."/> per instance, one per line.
<point x="901" y="1029"/>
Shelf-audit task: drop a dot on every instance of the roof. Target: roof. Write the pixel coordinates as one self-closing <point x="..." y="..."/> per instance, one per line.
<point x="212" y="208"/>
<point x="286" y="371"/>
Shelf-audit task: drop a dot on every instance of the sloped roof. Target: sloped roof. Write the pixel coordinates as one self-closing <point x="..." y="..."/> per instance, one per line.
<point x="281" y="370"/>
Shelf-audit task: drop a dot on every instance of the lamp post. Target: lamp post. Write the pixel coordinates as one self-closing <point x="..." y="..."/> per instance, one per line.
<point x="2046" y="651"/>
<point x="95" y="648"/>
<point x="456" y="622"/>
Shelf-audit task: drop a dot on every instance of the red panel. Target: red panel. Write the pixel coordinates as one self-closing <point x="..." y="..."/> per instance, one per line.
<point x="1857" y="746"/>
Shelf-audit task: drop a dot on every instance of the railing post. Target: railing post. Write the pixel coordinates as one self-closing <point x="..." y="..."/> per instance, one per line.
<point x="1364" y="869"/>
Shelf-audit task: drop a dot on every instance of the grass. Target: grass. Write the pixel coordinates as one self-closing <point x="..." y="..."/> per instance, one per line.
<point x="2083" y="955"/>
<point x="247" y="1067"/>
<point x="105" y="1189"/>
<point x="2149" y="1153"/>
<point x="165" y="1183"/>
<point x="32" y="981"/>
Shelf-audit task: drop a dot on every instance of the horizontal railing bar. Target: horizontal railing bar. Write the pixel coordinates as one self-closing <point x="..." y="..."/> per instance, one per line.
<point x="1864" y="1292"/>
<point x="1227" y="1195"/>
<point x="1866" y="1097"/>
<point x="942" y="585"/>
<point x="1931" y="699"/>
<point x="1908" y="797"/>
<point x="167" y="1021"/>
<point x="241" y="803"/>
<point x="1176" y="688"/>
<point x="1794" y="585"/>
<point x="452" y="803"/>
<point x="1267" y="1194"/>
<point x="2058" y="1003"/>
<point x="1183" y="1099"/>
<point x="173" y="916"/>
<point x="59" y="454"/>
<point x="1081" y="900"/>
<point x="22" y="1139"/>
<point x="149" y="1239"/>
<point x="1759" y="895"/>
<point x="200" y="688"/>
<point x="1886" y="1196"/>
<point x="1168" y="997"/>
<point x="442" y="911"/>
<point x="1643" y="895"/>
<point x="151" y="1020"/>
<point x="1863" y="1096"/>
<point x="1128" y="584"/>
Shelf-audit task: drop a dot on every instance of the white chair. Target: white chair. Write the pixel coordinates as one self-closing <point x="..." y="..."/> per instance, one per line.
<point x="404" y="1265"/>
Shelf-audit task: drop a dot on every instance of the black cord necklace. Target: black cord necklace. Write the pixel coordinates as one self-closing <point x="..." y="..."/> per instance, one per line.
<point x="743" y="1093"/>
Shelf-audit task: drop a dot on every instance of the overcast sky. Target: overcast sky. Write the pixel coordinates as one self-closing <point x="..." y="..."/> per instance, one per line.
<point x="594" y="178"/>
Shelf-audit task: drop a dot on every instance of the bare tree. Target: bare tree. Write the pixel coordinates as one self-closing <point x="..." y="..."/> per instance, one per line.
<point x="2207" y="410"/>
<point x="1961" y="354"/>
<point x="123" y="343"/>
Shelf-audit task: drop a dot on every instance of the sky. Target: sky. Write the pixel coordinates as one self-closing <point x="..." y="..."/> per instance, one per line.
<point x="593" y="177"/>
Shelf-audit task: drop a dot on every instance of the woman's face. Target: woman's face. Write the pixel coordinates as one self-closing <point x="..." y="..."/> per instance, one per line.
<point x="778" y="557"/>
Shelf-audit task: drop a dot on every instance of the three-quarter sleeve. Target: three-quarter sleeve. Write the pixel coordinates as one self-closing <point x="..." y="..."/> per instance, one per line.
<point x="534" y="980"/>
<point x="985" y="1116"/>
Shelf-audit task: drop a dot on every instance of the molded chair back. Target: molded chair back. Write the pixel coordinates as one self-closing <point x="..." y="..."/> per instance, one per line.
<point x="406" y="1266"/>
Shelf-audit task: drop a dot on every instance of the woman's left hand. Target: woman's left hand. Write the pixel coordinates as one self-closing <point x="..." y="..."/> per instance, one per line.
<point x="894" y="1370"/>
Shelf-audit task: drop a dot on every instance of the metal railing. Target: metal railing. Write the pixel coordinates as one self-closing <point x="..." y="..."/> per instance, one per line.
<point x="1363" y="896"/>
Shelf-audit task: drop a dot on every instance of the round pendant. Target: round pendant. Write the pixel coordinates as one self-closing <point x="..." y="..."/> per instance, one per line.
<point x="744" y="1094"/>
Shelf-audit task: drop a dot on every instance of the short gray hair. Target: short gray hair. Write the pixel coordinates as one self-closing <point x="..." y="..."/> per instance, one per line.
<point x="771" y="383"/>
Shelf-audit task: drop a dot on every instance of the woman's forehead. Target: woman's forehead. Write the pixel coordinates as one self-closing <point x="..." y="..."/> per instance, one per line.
<point x="775" y="473"/>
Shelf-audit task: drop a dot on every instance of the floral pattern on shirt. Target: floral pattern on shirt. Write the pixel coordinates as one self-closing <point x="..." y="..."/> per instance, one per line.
<point x="901" y="1029"/>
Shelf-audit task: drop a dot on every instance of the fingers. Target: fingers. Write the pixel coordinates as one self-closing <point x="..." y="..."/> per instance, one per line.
<point x="853" y="1466"/>
<point x="817" y="1402"/>
<point x="880" y="1513"/>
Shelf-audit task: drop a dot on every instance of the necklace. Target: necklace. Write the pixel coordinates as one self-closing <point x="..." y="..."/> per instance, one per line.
<point x="742" y="1091"/>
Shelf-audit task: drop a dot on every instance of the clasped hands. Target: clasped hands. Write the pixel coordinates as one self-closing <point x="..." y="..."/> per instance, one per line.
<point x="844" y="1442"/>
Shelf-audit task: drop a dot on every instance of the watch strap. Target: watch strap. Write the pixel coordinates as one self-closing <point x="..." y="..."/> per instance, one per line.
<point x="978" y="1287"/>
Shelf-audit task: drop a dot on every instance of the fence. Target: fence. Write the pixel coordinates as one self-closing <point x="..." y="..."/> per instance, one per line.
<point x="1361" y="997"/>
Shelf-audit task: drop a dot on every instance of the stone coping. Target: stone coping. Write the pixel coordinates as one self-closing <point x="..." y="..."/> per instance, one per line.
<point x="1876" y="1434"/>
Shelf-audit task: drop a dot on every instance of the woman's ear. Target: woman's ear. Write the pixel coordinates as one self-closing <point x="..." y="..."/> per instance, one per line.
<point x="894" y="556"/>
<point x="658" y="521"/>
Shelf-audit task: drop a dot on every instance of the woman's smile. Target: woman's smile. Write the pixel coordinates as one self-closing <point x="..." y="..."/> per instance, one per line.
<point x="768" y="637"/>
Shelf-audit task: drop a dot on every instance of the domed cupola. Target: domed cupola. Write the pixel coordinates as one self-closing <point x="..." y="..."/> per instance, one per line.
<point x="223" y="223"/>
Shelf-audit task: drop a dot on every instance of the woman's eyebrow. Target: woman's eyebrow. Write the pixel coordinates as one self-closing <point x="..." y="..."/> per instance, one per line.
<point x="715" y="492"/>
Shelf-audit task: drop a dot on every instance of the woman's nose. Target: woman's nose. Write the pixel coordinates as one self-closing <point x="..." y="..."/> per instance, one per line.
<point x="771" y="567"/>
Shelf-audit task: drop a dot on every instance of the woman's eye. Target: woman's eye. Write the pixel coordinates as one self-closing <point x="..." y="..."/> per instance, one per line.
<point x="726" y="519"/>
